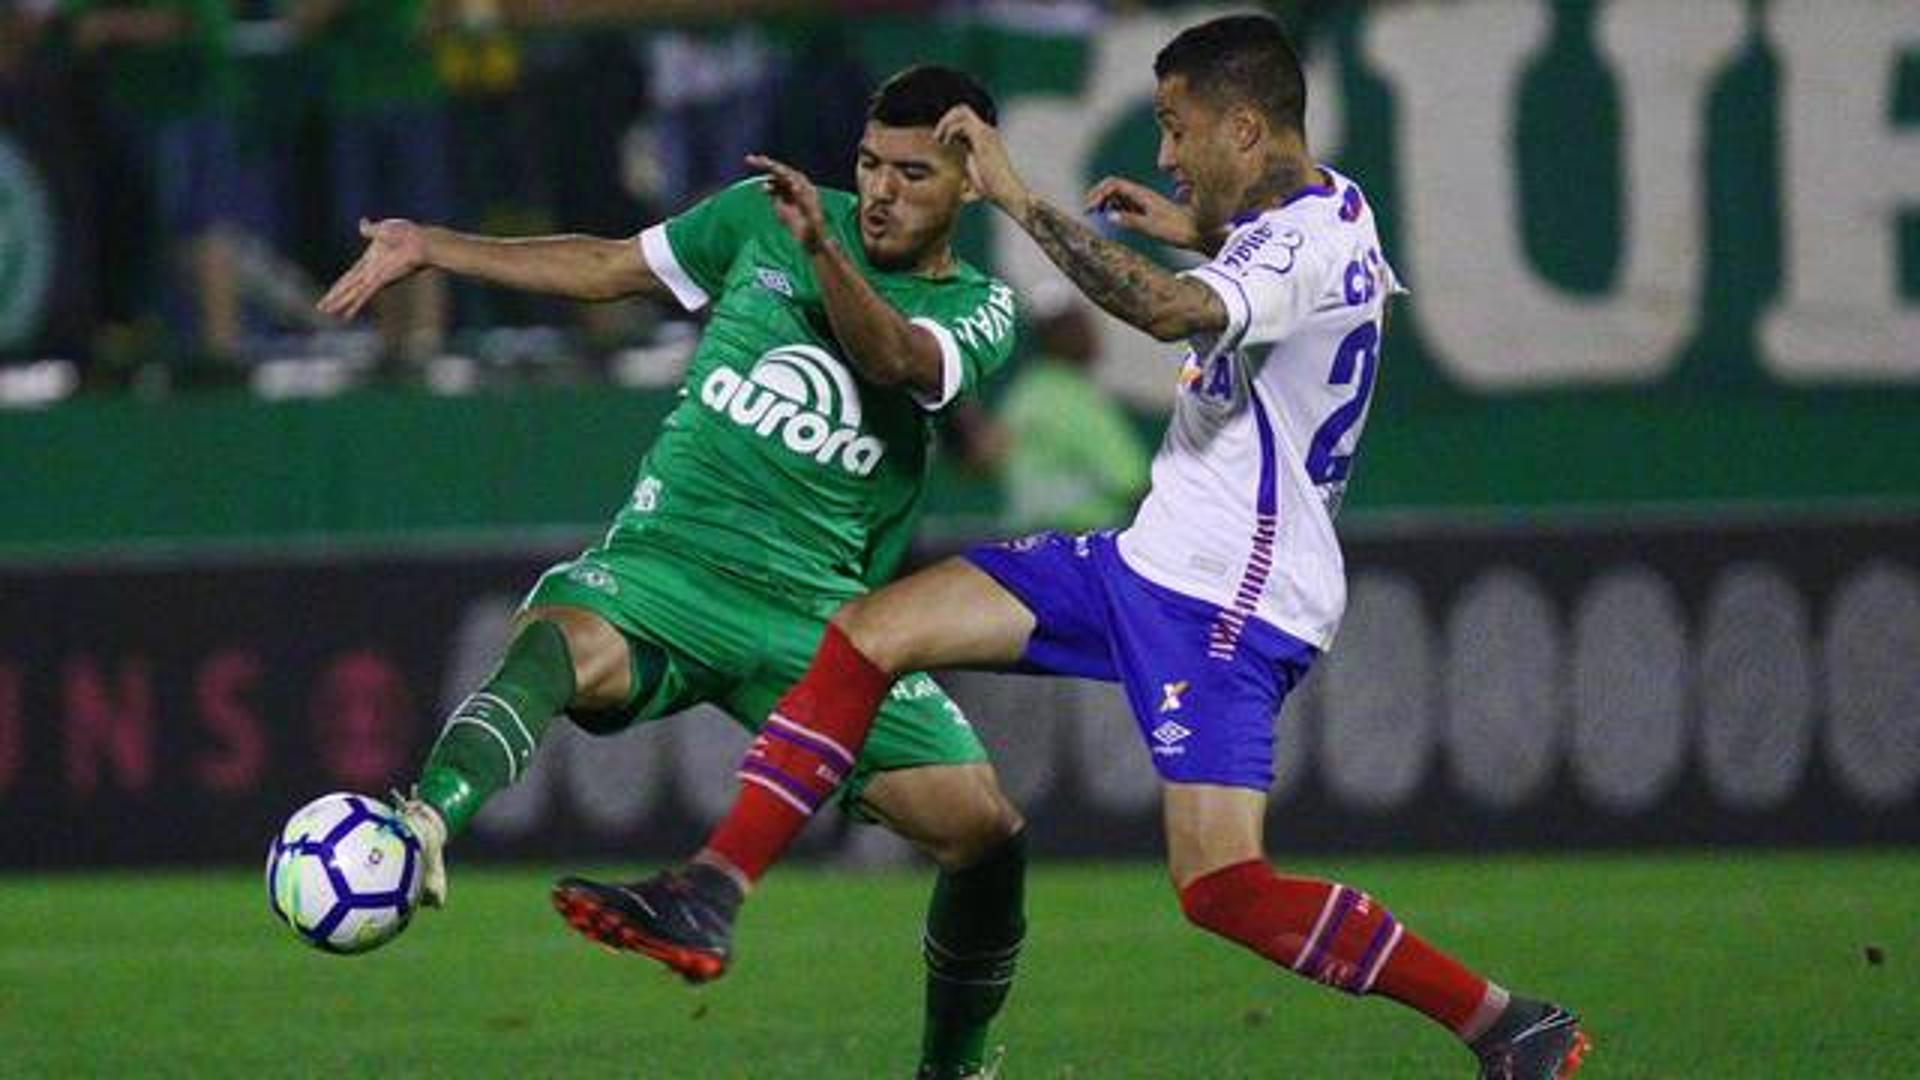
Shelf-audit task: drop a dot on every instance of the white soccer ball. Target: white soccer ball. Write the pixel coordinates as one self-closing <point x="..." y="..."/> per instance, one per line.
<point x="344" y="873"/>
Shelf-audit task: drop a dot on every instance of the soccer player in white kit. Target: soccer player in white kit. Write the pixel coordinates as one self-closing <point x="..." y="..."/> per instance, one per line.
<point x="1213" y="604"/>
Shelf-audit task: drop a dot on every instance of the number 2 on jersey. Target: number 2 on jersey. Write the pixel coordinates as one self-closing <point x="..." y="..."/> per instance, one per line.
<point x="1361" y="348"/>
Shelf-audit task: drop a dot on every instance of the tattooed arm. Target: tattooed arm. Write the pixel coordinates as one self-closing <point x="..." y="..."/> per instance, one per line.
<point x="1131" y="286"/>
<point x="1127" y="284"/>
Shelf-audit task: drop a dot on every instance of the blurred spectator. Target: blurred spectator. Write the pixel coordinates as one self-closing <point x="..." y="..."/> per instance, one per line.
<point x="278" y="94"/>
<point x="712" y="100"/>
<point x="1075" y="461"/>
<point x="170" y="99"/>
<point x="494" y="154"/>
<point x="388" y="147"/>
<point x="819" y="95"/>
<point x="22" y="22"/>
<point x="587" y="156"/>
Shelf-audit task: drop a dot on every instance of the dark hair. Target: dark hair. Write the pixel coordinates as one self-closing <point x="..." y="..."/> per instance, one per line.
<point x="921" y="95"/>
<point x="1240" y="59"/>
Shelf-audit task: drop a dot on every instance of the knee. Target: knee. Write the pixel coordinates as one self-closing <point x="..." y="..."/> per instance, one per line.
<point x="974" y="831"/>
<point x="999" y="822"/>
<point x="1214" y="902"/>
<point x="1197" y="906"/>
<point x="597" y="651"/>
<point x="862" y="623"/>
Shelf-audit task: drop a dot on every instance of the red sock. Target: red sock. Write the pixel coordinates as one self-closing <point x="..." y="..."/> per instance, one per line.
<point x="1337" y="936"/>
<point x="801" y="755"/>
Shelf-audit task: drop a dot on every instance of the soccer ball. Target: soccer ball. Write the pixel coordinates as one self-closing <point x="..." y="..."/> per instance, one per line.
<point x="344" y="873"/>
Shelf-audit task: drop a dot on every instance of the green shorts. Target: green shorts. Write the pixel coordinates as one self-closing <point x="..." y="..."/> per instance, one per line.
<point x="700" y="636"/>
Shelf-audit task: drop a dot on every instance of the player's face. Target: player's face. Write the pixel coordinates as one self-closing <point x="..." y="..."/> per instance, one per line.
<point x="1196" y="151"/>
<point x="911" y="189"/>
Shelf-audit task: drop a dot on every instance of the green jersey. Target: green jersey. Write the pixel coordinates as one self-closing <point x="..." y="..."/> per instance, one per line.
<point x="781" y="464"/>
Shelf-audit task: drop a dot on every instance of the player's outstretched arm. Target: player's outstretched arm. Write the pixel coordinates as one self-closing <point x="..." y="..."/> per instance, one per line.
<point x="579" y="267"/>
<point x="1127" y="284"/>
<point x="883" y="345"/>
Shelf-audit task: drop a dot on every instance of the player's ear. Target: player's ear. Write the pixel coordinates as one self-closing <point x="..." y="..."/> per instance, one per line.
<point x="1245" y="126"/>
<point x="957" y="156"/>
<point x="969" y="191"/>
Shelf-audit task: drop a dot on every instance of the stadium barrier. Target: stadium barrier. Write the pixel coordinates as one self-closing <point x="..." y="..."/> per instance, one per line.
<point x="1494" y="687"/>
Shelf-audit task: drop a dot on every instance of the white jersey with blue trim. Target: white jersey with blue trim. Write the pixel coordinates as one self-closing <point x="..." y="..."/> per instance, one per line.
<point x="1267" y="418"/>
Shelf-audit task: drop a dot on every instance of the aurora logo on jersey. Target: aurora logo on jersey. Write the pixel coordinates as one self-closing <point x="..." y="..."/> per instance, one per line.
<point x="795" y="394"/>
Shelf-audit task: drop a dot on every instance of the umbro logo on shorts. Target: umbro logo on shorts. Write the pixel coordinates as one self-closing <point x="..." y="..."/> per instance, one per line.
<point x="1167" y="738"/>
<point x="594" y="577"/>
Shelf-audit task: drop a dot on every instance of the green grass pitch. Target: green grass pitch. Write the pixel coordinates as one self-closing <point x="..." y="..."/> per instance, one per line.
<point x="1729" y="964"/>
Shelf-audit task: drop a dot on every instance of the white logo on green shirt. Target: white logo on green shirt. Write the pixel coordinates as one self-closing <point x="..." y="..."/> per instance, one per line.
<point x="646" y="495"/>
<point x="773" y="279"/>
<point x="991" y="321"/>
<point x="804" y="397"/>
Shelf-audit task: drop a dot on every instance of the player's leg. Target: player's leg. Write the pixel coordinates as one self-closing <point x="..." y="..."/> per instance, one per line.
<point x="1031" y="602"/>
<point x="976" y="919"/>
<point x="923" y="773"/>
<point x="560" y="657"/>
<point x="1205" y="686"/>
<point x="590" y="639"/>
<point x="949" y="615"/>
<point x="1340" y="937"/>
<point x="1322" y="930"/>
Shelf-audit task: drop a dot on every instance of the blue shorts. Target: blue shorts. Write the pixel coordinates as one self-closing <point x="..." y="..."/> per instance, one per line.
<point x="1206" y="718"/>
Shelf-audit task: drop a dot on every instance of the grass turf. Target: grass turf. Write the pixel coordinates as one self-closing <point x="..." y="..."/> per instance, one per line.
<point x="1736" y="964"/>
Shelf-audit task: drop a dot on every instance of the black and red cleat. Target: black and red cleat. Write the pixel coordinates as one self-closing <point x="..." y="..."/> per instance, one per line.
<point x="682" y="918"/>
<point x="1534" y="1041"/>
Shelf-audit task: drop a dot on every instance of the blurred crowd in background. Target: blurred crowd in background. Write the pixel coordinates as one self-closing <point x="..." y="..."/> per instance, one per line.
<point x="224" y="151"/>
<point x="210" y="161"/>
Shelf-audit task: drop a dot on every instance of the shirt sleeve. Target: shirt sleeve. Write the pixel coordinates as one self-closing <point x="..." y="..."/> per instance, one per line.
<point x="975" y="338"/>
<point x="1269" y="282"/>
<point x="691" y="252"/>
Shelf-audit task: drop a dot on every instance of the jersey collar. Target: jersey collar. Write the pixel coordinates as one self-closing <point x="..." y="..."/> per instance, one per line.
<point x="1326" y="190"/>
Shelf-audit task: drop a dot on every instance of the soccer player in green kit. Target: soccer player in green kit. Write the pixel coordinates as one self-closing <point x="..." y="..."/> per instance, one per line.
<point x="787" y="481"/>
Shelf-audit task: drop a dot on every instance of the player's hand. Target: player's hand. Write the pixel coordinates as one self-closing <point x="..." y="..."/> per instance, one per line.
<point x="988" y="166"/>
<point x="795" y="201"/>
<point x="1138" y="208"/>
<point x="395" y="248"/>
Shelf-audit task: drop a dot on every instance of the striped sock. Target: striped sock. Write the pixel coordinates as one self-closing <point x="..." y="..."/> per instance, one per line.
<point x="803" y="753"/>
<point x="1340" y="937"/>
<point x="975" y="924"/>
<point x="488" y="741"/>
